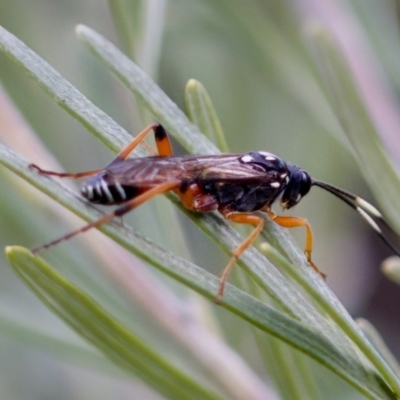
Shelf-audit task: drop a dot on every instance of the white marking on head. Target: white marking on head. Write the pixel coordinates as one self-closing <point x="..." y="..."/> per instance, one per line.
<point x="247" y="158"/>
<point x="368" y="207"/>
<point x="107" y="191"/>
<point x="284" y="175"/>
<point x="275" y="184"/>
<point x="270" y="158"/>
<point x="121" y="191"/>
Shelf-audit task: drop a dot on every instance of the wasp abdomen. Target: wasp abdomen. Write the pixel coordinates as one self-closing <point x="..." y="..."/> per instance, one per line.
<point x="107" y="191"/>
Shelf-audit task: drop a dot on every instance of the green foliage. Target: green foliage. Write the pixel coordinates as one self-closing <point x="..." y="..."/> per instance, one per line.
<point x="292" y="314"/>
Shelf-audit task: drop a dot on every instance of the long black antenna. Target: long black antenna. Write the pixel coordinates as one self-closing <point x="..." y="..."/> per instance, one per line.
<point x="367" y="211"/>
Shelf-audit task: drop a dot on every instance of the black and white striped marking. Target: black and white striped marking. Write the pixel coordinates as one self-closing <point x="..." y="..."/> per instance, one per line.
<point x="103" y="193"/>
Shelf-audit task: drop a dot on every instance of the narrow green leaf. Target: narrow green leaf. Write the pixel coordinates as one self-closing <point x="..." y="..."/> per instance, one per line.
<point x="371" y="155"/>
<point x="376" y="340"/>
<point x="346" y="324"/>
<point x="202" y="113"/>
<point x="63" y="93"/>
<point x="168" y="113"/>
<point x="288" y="370"/>
<point x="345" y="98"/>
<point x="391" y="269"/>
<point x="114" y="340"/>
<point x="292" y="382"/>
<point x="327" y="339"/>
<point x="160" y="105"/>
<point x="66" y="349"/>
<point x="324" y="349"/>
<point x="140" y="28"/>
<point x="115" y="137"/>
<point x="92" y="322"/>
<point x="124" y="24"/>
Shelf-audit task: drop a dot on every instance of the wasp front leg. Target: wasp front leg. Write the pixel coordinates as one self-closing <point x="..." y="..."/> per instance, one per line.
<point x="296" y="222"/>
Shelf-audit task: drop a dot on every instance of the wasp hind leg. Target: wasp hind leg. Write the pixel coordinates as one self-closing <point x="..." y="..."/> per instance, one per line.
<point x="163" y="144"/>
<point x="296" y="222"/>
<point x="164" y="149"/>
<point x="240" y="218"/>
<point x="76" y="175"/>
<point x="119" y="212"/>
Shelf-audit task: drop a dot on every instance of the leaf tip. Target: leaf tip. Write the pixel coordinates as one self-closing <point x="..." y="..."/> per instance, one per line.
<point x="81" y="30"/>
<point x="391" y="268"/>
<point x="10" y="250"/>
<point x="192" y="83"/>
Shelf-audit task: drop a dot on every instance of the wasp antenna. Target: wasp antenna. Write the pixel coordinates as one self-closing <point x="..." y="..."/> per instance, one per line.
<point x="376" y="228"/>
<point x="370" y="221"/>
<point x="367" y="211"/>
<point x="351" y="199"/>
<point x="347" y="197"/>
<point x="369" y="208"/>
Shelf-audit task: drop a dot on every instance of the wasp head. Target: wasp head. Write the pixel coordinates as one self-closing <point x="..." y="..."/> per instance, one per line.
<point x="298" y="186"/>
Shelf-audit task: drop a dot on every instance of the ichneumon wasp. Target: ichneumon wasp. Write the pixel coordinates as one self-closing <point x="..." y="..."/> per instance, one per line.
<point x="236" y="185"/>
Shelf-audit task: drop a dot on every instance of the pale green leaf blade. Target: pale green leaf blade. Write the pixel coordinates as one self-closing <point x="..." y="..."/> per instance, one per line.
<point x="345" y="98"/>
<point x="286" y="295"/>
<point x="268" y="319"/>
<point x="92" y="322"/>
<point x="202" y="113"/>
<point x="146" y="91"/>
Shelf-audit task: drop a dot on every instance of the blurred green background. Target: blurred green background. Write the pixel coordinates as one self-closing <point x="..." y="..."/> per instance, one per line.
<point x="254" y="60"/>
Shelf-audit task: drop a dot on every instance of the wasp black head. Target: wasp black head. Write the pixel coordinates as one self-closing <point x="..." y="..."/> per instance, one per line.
<point x="298" y="185"/>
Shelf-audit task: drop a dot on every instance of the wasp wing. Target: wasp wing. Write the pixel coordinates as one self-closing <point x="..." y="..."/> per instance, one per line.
<point x="150" y="171"/>
<point x="146" y="172"/>
<point x="227" y="168"/>
<point x="226" y="176"/>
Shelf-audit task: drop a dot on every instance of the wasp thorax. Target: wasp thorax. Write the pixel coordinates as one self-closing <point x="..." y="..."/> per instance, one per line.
<point x="297" y="187"/>
<point x="263" y="161"/>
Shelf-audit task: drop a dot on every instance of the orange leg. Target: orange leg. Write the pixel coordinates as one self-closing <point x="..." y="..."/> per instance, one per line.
<point x="240" y="218"/>
<point x="295" y="222"/>
<point x="162" y="142"/>
<point x="163" y="146"/>
<point x="119" y="212"/>
<point x="194" y="199"/>
<point x="76" y="175"/>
